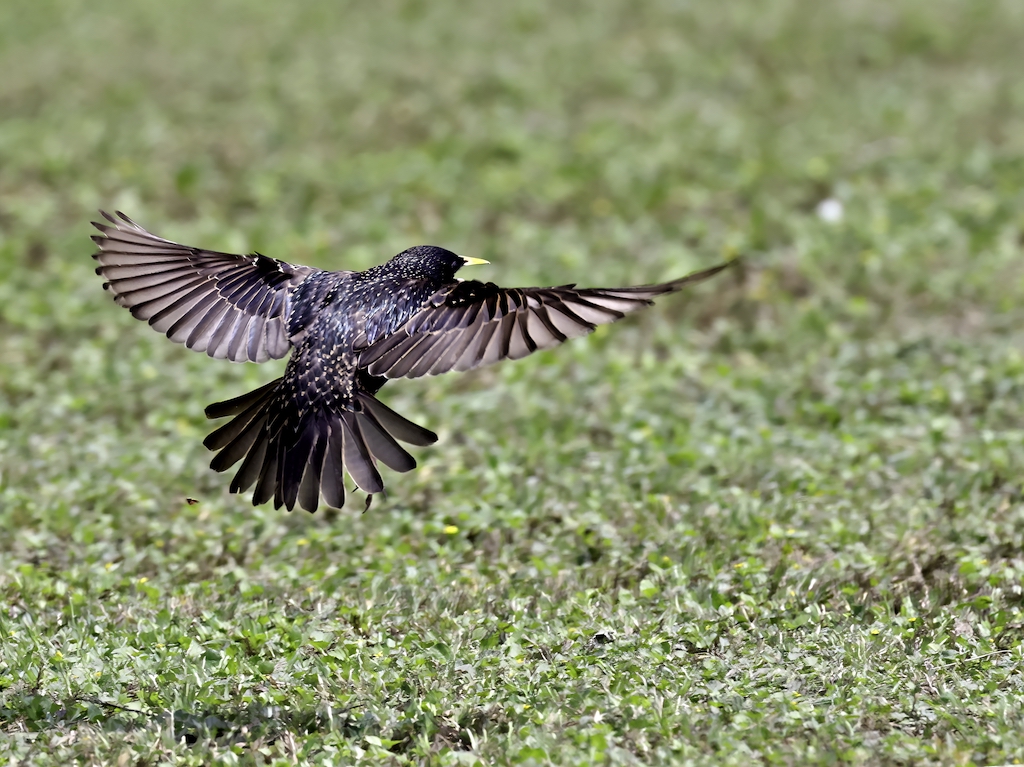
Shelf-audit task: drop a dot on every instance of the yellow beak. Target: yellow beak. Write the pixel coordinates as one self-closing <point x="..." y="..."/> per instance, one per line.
<point x="474" y="261"/>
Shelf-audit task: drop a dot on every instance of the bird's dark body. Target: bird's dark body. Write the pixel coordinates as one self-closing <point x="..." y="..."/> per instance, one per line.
<point x="335" y="314"/>
<point x="348" y="333"/>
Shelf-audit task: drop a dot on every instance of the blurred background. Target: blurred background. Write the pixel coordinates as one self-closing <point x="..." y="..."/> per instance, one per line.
<point x="832" y="430"/>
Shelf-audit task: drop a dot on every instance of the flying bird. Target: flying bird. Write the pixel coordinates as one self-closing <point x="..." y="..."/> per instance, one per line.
<point x="348" y="333"/>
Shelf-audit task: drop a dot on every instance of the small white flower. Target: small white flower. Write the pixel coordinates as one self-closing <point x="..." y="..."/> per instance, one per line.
<point x="830" y="210"/>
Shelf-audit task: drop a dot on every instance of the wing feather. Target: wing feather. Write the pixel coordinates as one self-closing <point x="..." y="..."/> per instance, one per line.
<point x="223" y="304"/>
<point x="469" y="324"/>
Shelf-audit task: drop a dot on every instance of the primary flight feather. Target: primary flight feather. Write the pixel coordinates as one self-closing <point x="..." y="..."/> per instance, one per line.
<point x="348" y="333"/>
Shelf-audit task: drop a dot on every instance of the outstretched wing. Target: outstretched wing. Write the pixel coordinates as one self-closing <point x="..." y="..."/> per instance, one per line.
<point x="469" y="324"/>
<point x="229" y="306"/>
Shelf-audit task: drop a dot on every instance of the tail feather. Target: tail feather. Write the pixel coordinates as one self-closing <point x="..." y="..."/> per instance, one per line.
<point x="293" y="464"/>
<point x="235" y="450"/>
<point x="251" y="467"/>
<point x="358" y="460"/>
<point x="240" y="404"/>
<point x="309" y="487"/>
<point x="333" y="484"/>
<point x="382" y="445"/>
<point x="398" y="426"/>
<point x="236" y="438"/>
<point x="301" y="459"/>
<point x="230" y="431"/>
<point x="266" y="484"/>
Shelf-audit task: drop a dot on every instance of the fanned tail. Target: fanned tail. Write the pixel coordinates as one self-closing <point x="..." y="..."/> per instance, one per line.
<point x="295" y="457"/>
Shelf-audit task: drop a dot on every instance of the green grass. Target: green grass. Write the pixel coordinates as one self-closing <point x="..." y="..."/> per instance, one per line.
<point x="778" y="519"/>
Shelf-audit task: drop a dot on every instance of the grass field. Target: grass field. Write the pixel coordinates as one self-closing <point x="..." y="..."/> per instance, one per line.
<point x="778" y="519"/>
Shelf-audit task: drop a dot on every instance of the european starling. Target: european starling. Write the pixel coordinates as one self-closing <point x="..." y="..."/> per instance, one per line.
<point x="349" y="332"/>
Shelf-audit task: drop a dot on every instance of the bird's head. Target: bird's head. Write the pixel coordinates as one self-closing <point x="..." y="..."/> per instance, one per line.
<point x="430" y="262"/>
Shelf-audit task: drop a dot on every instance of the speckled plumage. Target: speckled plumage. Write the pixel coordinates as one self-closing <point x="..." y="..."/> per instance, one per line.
<point x="348" y="333"/>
